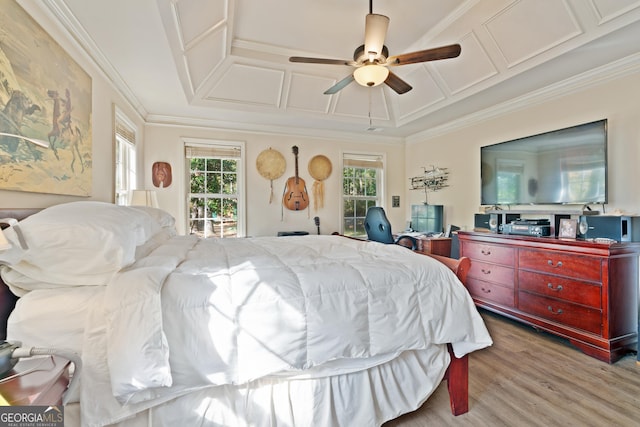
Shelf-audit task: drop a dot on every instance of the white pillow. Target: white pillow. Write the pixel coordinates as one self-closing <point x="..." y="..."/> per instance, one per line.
<point x="80" y="243"/>
<point x="164" y="218"/>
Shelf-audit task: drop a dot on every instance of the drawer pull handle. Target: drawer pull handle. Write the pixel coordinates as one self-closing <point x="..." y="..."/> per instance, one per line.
<point x="559" y="264"/>
<point x="557" y="289"/>
<point x="554" y="312"/>
<point x="486" y="291"/>
<point x="485" y="271"/>
<point x="485" y="251"/>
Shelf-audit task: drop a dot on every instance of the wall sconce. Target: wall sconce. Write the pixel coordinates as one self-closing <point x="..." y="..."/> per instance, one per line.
<point x="144" y="198"/>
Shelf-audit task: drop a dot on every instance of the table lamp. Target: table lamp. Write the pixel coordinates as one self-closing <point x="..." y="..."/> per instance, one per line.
<point x="144" y="198"/>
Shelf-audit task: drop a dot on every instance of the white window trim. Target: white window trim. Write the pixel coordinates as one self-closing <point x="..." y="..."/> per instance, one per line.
<point x="120" y="118"/>
<point x="383" y="180"/>
<point x="241" y="176"/>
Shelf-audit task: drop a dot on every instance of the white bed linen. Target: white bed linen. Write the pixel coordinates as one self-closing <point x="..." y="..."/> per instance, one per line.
<point x="211" y="322"/>
<point x="53" y="318"/>
<point x="372" y="375"/>
<point x="363" y="398"/>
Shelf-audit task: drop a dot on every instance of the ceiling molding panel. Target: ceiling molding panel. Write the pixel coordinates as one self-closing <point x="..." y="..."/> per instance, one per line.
<point x="306" y="93"/>
<point x="247" y="84"/>
<point x="196" y="18"/>
<point x="359" y="102"/>
<point x="205" y="56"/>
<point x="473" y="66"/>
<point x="426" y="93"/>
<point x="528" y="28"/>
<point x="607" y="10"/>
<point x="226" y="62"/>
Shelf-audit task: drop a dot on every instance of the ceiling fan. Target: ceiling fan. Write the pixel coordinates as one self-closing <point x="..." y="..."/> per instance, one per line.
<point x="372" y="58"/>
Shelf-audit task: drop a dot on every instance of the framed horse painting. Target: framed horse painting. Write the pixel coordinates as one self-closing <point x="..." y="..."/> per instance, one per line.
<point x="45" y="111"/>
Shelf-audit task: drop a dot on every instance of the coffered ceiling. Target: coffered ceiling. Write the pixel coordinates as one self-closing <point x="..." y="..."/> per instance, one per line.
<point x="224" y="63"/>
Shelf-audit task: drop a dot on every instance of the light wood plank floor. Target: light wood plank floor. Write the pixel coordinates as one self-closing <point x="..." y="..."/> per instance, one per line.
<point x="530" y="378"/>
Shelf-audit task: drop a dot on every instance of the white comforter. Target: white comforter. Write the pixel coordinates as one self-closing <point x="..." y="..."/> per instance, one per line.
<point x="201" y="313"/>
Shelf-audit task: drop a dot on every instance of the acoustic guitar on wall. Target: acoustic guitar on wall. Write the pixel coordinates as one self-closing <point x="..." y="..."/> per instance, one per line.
<point x="295" y="196"/>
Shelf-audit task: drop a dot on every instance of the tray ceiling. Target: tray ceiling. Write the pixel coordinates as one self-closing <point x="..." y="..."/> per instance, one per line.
<point x="224" y="63"/>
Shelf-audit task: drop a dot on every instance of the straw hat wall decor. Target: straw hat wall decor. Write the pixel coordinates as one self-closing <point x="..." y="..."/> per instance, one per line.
<point x="319" y="169"/>
<point x="271" y="165"/>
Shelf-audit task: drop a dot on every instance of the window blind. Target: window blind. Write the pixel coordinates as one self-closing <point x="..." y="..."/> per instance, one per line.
<point x="205" y="151"/>
<point x="362" y="160"/>
<point x="125" y="132"/>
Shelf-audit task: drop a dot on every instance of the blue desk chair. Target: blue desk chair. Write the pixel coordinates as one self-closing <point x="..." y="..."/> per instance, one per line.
<point x="378" y="229"/>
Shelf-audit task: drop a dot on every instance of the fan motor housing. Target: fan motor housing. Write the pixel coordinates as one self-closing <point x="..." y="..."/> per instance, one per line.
<point x="360" y="57"/>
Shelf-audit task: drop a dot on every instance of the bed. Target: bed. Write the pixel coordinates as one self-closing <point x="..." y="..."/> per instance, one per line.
<point x="267" y="331"/>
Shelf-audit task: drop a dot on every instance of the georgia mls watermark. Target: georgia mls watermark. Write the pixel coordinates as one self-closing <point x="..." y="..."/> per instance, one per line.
<point x="32" y="416"/>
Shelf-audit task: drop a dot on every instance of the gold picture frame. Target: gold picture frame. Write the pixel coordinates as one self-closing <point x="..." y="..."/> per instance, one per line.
<point x="568" y="228"/>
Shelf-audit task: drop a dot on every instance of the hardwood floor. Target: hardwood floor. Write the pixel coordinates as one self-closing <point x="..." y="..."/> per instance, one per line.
<point x="530" y="378"/>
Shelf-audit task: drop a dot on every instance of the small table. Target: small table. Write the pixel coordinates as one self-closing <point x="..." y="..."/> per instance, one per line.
<point x="40" y="380"/>
<point x="434" y="245"/>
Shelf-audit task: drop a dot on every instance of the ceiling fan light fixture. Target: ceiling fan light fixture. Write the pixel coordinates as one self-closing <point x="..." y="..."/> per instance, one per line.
<point x="375" y="33"/>
<point x="371" y="75"/>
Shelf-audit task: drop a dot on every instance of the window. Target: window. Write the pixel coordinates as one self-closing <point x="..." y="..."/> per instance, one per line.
<point x="361" y="189"/>
<point x="509" y="181"/>
<point x="215" y="189"/>
<point x="125" y="158"/>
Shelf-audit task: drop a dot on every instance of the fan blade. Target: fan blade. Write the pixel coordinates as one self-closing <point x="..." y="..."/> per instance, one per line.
<point x="443" y="52"/>
<point x="306" y="60"/>
<point x="375" y="31"/>
<point x="397" y="84"/>
<point x="340" y="85"/>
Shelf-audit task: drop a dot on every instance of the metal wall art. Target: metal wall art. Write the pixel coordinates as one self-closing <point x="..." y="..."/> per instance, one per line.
<point x="433" y="179"/>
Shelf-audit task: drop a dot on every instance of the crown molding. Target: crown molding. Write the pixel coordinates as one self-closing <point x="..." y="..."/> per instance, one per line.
<point x="597" y="76"/>
<point x="227" y="126"/>
<point x="61" y="12"/>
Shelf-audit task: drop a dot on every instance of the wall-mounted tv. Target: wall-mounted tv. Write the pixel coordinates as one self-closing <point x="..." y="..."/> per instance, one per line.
<point x="565" y="166"/>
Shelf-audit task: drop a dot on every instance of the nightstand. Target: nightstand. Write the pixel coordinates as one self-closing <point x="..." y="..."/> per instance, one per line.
<point x="434" y="245"/>
<point x="43" y="381"/>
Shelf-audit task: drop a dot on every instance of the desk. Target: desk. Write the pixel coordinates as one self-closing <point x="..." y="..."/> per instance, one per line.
<point x="43" y="385"/>
<point x="436" y="246"/>
<point x="433" y="245"/>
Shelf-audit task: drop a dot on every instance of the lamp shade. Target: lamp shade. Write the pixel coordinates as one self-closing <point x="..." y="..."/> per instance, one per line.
<point x="374" y="34"/>
<point x="371" y="75"/>
<point x="144" y="198"/>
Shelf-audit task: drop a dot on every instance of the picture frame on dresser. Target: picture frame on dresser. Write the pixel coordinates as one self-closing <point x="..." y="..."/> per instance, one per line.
<point x="568" y="228"/>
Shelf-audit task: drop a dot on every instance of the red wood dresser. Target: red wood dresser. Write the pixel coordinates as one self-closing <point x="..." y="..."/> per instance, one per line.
<point x="584" y="291"/>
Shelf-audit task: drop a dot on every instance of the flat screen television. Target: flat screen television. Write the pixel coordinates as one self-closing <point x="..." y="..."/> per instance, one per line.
<point x="565" y="166"/>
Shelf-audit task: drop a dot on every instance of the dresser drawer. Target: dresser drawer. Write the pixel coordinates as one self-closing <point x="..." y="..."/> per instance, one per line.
<point x="562" y="312"/>
<point x="489" y="253"/>
<point x="491" y="292"/>
<point x="562" y="288"/>
<point x="492" y="273"/>
<point x="578" y="266"/>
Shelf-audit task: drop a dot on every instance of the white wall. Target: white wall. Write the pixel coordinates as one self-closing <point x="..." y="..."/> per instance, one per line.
<point x="164" y="143"/>
<point x="459" y="150"/>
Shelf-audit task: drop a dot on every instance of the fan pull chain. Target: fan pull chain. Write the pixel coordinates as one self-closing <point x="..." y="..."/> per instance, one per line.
<point x="370" y="121"/>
